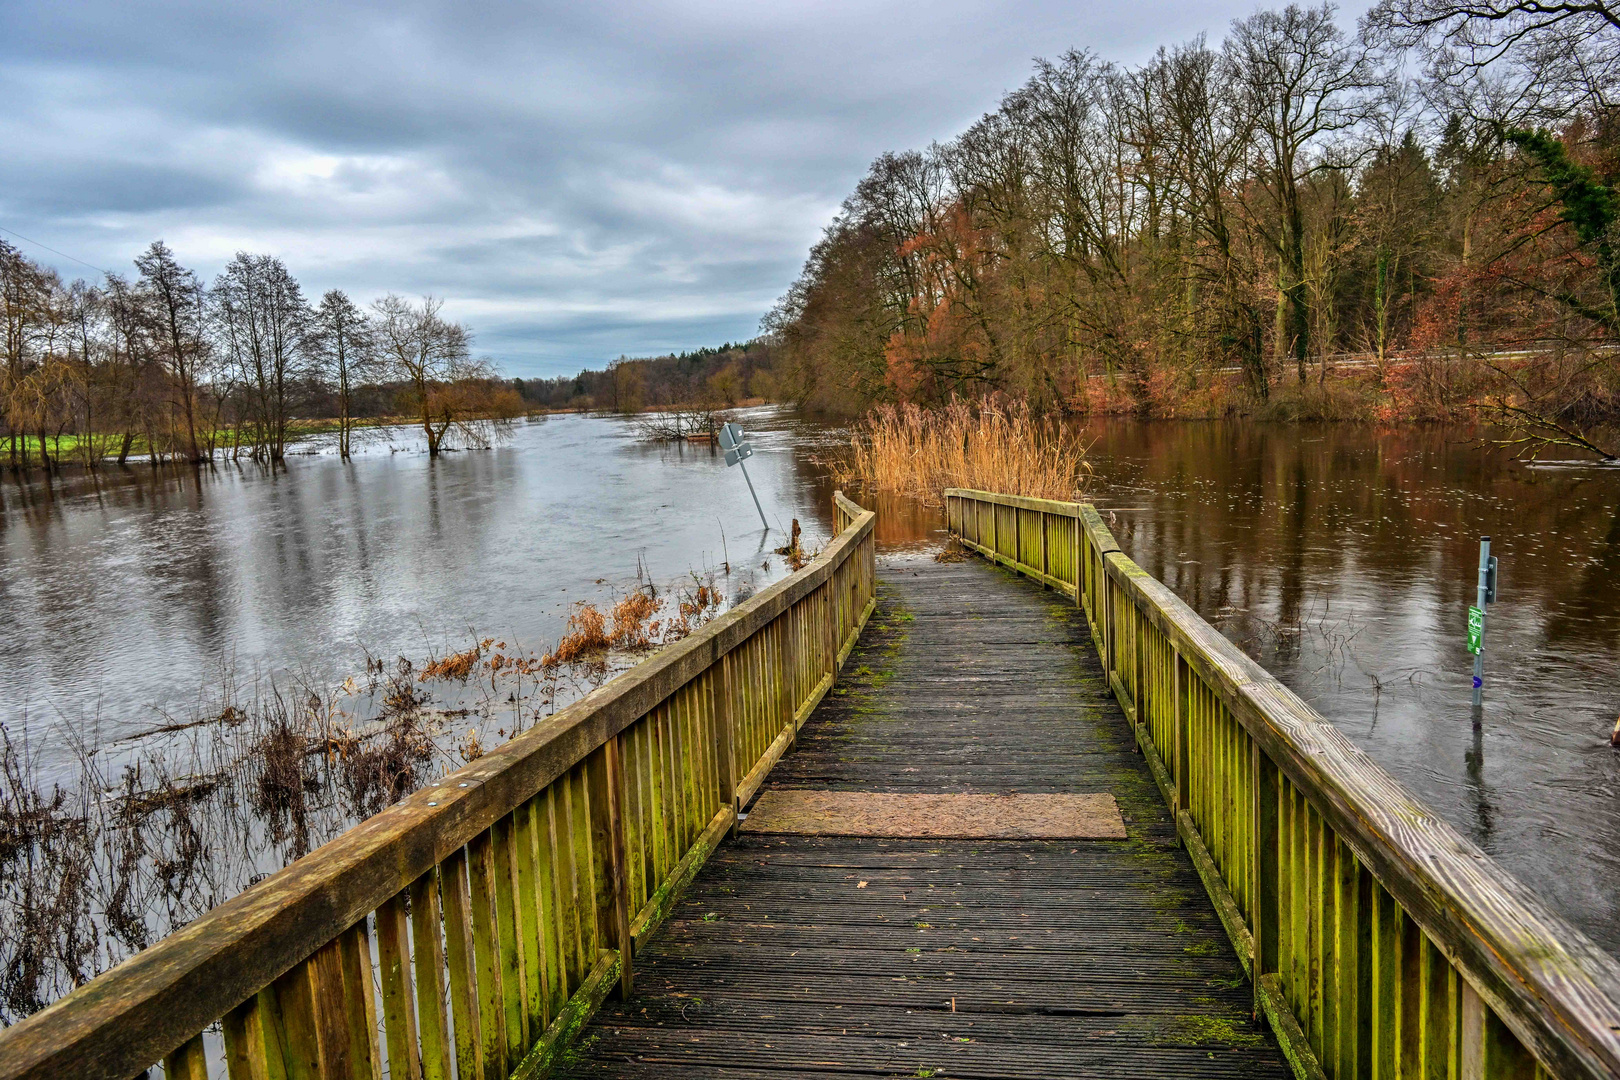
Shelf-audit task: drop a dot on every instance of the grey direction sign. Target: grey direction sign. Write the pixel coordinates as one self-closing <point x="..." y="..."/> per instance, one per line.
<point x="737" y="451"/>
<point x="737" y="448"/>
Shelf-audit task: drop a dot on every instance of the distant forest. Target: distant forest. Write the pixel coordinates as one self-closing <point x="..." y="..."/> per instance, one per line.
<point x="708" y="377"/>
<point x="1416" y="219"/>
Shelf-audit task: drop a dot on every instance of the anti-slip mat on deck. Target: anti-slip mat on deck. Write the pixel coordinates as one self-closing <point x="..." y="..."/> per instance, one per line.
<point x="958" y="817"/>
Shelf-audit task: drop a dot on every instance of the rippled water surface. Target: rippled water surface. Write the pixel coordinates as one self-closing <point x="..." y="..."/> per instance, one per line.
<point x="1345" y="559"/>
<point x="125" y="596"/>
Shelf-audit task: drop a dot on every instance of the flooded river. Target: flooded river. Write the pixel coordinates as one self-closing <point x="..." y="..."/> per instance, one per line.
<point x="126" y="596"/>
<point x="1342" y="558"/>
<point x="1344" y="561"/>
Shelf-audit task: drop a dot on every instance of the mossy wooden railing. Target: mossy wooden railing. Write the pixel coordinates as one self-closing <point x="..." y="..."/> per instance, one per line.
<point x="1380" y="941"/>
<point x="472" y="928"/>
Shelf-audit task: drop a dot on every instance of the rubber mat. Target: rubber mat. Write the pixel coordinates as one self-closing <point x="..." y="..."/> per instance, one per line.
<point x="964" y="817"/>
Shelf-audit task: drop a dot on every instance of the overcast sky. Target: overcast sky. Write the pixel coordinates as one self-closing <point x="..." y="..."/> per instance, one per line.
<point x="578" y="181"/>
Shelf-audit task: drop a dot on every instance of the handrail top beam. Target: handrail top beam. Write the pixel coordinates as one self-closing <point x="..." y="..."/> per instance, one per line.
<point x="1050" y="506"/>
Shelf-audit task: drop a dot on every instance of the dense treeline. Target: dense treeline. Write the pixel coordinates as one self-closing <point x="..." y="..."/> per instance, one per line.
<point x="1216" y="228"/>
<point x="163" y="366"/>
<point x="705" y="378"/>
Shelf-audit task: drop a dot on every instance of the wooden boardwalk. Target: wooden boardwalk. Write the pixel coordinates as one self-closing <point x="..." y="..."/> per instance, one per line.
<point x="818" y="956"/>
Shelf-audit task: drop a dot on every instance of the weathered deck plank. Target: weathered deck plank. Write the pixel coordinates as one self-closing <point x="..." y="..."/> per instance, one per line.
<point x="838" y="956"/>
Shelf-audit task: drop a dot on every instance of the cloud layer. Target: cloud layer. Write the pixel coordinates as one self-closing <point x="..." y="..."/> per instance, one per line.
<point x="578" y="181"/>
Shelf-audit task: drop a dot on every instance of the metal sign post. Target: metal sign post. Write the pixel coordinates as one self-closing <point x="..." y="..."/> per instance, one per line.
<point x="1476" y="617"/>
<point x="737" y="451"/>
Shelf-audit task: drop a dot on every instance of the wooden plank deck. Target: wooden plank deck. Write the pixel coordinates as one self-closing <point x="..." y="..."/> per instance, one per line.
<point x="835" y="956"/>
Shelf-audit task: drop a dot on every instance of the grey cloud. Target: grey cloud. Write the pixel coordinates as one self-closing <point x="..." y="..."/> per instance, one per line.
<point x="578" y="181"/>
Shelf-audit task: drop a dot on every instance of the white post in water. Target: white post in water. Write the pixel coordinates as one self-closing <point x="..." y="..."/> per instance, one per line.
<point x="737" y="451"/>
<point x="1476" y="617"/>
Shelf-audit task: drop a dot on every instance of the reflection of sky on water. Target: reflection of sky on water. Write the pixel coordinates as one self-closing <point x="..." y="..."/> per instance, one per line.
<point x="1345" y="560"/>
<point x="127" y="596"/>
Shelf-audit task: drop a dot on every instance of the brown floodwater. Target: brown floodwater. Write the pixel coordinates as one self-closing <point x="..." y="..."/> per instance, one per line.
<point x="1341" y="557"/>
<point x="1344" y="559"/>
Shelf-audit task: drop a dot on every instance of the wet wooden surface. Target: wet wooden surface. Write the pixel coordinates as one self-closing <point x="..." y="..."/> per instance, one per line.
<point x="840" y="956"/>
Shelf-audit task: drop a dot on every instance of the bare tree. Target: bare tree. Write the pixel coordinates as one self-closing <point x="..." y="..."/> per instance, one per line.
<point x="129" y="355"/>
<point x="625" y="383"/>
<point x="343" y="346"/>
<point x="1515" y="61"/>
<point x="177" y="311"/>
<point x="1303" y="82"/>
<point x="24" y="310"/>
<point x="429" y="355"/>
<point x="1210" y="131"/>
<point x="265" y="324"/>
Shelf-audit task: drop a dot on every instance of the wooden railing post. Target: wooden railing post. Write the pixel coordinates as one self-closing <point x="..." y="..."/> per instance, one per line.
<point x="829" y="615"/>
<point x="1139" y="680"/>
<point x="1106" y="589"/>
<point x="1082" y="568"/>
<point x="1046" y="562"/>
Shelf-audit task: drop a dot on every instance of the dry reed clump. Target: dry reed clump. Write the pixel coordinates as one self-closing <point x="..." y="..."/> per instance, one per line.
<point x="995" y="445"/>
<point x="457" y="666"/>
<point x="702" y="601"/>
<point x="587" y="636"/>
<point x="280" y="794"/>
<point x="953" y="551"/>
<point x="378" y="775"/>
<point x="45" y="876"/>
<point x="630" y="616"/>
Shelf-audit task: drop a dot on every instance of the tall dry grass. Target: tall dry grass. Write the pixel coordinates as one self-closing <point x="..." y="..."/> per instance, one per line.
<point x="992" y="445"/>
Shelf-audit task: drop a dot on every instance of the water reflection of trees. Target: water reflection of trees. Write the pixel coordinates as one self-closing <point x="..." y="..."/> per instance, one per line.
<point x="1344" y="558"/>
<point x="1260" y="519"/>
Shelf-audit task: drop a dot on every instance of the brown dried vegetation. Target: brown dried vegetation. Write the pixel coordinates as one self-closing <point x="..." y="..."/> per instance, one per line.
<point x="995" y="445"/>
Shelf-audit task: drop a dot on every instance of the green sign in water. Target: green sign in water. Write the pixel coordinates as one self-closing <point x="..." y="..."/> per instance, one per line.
<point x="1476" y="628"/>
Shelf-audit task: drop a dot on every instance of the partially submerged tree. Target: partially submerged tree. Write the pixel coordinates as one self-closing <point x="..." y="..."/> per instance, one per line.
<point x="266" y="327"/>
<point x="452" y="395"/>
<point x="343" y="346"/>
<point x="176" y="310"/>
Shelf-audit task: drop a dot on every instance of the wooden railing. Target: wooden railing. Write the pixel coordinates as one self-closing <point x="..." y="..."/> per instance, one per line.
<point x="1381" y="943"/>
<point x="494" y="909"/>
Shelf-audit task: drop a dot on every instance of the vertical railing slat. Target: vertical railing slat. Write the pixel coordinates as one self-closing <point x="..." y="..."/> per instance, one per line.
<point x="508" y="936"/>
<point x="427" y="940"/>
<point x="465" y="1010"/>
<point x="246" y="1050"/>
<point x="360" y="1003"/>
<point x="190" y="1062"/>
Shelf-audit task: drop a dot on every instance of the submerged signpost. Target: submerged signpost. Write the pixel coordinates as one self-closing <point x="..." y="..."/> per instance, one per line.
<point x="738" y="450"/>
<point x="1476" y="617"/>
